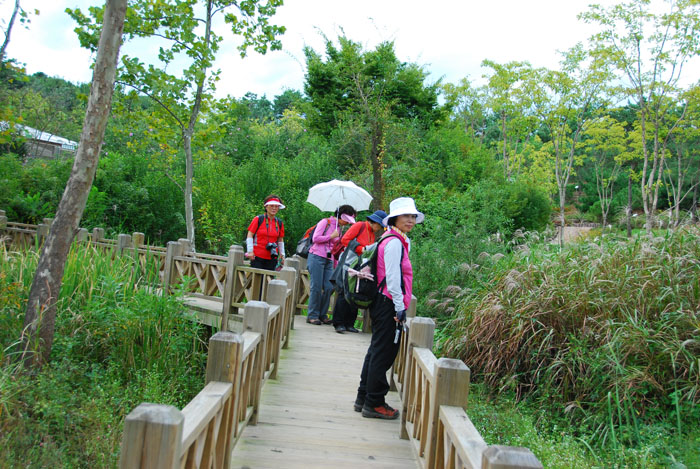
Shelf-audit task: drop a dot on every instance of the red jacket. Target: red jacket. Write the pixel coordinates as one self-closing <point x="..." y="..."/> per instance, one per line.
<point x="363" y="232"/>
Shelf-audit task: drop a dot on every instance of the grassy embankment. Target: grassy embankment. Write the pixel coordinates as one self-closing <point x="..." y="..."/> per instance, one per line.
<point x="115" y="347"/>
<point x="589" y="356"/>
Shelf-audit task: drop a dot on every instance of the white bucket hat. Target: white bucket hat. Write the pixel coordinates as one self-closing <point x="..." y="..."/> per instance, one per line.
<point x="403" y="206"/>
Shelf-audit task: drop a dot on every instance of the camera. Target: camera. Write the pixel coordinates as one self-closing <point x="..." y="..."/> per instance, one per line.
<point x="272" y="247"/>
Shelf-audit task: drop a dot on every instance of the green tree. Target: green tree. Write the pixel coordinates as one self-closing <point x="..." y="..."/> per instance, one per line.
<point x="40" y="316"/>
<point x="564" y="101"/>
<point x="606" y="142"/>
<point x="179" y="23"/>
<point x="360" y="93"/>
<point x="510" y="103"/>
<point x="469" y="107"/>
<point x="649" y="50"/>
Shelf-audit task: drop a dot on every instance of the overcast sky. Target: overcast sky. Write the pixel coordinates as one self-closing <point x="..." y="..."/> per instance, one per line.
<point x="450" y="38"/>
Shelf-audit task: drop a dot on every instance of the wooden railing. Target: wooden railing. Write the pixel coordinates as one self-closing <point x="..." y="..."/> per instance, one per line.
<point x="216" y="287"/>
<point x="433" y="396"/>
<point x="204" y="433"/>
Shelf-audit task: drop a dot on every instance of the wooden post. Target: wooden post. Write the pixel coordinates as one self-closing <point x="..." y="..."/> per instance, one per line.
<point x="42" y="231"/>
<point x="3" y="220"/>
<point x="235" y="257"/>
<point x="255" y="317"/>
<point x="289" y="275"/>
<point x="224" y="364"/>
<point x="47" y="221"/>
<point x="421" y="333"/>
<point x="411" y="311"/>
<point x="123" y="242"/>
<point x="152" y="437"/>
<point x="186" y="246"/>
<point x="98" y="234"/>
<point x="174" y="250"/>
<point x="237" y="260"/>
<point x="81" y="236"/>
<point x="509" y="457"/>
<point x="138" y="239"/>
<point x="450" y="387"/>
<point x="295" y="263"/>
<point x="277" y="295"/>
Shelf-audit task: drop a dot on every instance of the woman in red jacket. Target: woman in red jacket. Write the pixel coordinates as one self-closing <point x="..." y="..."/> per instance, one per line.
<point x="265" y="238"/>
<point x="364" y="232"/>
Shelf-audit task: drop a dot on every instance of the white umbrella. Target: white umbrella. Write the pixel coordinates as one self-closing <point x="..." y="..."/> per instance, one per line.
<point x="330" y="195"/>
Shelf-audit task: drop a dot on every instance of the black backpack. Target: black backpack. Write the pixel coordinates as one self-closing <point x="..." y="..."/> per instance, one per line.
<point x="305" y="242"/>
<point x="361" y="292"/>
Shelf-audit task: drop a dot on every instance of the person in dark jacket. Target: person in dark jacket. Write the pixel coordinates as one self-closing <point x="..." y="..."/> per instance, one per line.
<point x="388" y="312"/>
<point x="364" y="232"/>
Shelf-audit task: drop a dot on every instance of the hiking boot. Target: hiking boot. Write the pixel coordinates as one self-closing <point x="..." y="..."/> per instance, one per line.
<point x="340" y="329"/>
<point x="383" y="411"/>
<point x="359" y="404"/>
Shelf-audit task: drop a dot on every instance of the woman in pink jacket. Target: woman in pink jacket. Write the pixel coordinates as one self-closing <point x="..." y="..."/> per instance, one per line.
<point x="388" y="312"/>
<point x="320" y="263"/>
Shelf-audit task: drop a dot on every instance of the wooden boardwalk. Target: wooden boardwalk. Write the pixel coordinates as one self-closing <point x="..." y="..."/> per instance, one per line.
<point x="306" y="415"/>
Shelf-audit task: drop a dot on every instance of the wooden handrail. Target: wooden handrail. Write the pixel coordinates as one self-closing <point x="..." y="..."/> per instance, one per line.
<point x="433" y="395"/>
<point x="204" y="433"/>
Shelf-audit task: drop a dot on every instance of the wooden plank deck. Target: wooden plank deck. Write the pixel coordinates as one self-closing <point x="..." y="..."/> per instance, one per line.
<point x="306" y="415"/>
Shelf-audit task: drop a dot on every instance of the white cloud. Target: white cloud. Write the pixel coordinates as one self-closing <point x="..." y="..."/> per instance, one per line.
<point x="450" y="38"/>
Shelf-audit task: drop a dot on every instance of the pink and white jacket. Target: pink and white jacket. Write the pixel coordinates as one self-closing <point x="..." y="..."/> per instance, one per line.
<point x="392" y="266"/>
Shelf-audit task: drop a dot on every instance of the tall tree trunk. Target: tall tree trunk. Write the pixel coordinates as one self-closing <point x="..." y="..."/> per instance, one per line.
<point x="40" y="317"/>
<point x="189" y="132"/>
<point x="694" y="207"/>
<point x="9" y="30"/>
<point x="377" y="164"/>
<point x="189" y="175"/>
<point x="629" y="202"/>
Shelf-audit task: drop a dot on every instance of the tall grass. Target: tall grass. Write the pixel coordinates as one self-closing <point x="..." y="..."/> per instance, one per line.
<point x="607" y="332"/>
<point x="116" y="345"/>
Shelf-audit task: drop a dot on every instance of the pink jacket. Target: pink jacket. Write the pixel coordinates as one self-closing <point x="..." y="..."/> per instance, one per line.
<point x="389" y="253"/>
<point x="322" y="242"/>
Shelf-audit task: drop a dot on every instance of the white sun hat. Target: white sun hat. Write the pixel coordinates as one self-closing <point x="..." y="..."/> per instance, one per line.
<point x="275" y="201"/>
<point x="403" y="206"/>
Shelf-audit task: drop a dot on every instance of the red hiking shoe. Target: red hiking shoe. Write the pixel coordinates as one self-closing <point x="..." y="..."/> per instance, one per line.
<point x="383" y="411"/>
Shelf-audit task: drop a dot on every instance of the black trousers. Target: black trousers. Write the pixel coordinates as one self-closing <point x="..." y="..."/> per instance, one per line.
<point x="380" y="355"/>
<point x="260" y="263"/>
<point x="343" y="313"/>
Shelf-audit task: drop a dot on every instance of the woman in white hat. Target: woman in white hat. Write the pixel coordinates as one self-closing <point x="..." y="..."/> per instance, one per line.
<point x="265" y="240"/>
<point x="388" y="312"/>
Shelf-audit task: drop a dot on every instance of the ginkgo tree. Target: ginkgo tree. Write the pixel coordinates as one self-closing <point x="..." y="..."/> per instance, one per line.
<point x="649" y="49"/>
<point x="187" y="30"/>
<point x="564" y="102"/>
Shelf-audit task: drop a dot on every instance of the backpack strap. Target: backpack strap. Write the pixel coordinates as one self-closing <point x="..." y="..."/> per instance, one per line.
<point x="376" y="257"/>
<point x="261" y="218"/>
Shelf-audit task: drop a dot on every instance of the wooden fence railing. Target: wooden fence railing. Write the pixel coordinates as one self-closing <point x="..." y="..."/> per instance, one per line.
<point x="433" y="396"/>
<point x="204" y="433"/>
<point x="216" y="287"/>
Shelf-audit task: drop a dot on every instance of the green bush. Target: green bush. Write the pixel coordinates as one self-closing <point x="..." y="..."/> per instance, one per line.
<point x="604" y="333"/>
<point x="115" y="346"/>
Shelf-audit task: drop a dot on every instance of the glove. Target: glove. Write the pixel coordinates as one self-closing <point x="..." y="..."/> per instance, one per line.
<point x="401" y="315"/>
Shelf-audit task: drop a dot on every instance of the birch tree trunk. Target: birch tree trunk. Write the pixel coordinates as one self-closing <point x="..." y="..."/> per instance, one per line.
<point x="9" y="30"/>
<point x="40" y="317"/>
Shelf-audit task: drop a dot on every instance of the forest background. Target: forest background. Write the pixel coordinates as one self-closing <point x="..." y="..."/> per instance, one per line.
<point x="610" y="137"/>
